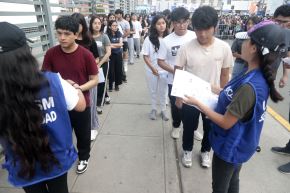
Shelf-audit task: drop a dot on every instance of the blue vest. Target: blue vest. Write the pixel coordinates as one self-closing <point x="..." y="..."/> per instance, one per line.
<point x="239" y="143"/>
<point x="57" y="124"/>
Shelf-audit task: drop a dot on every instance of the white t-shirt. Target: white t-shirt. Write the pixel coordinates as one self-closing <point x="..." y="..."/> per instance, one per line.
<point x="169" y="47"/>
<point x="138" y="29"/>
<point x="148" y="50"/>
<point x="205" y="63"/>
<point x="70" y="94"/>
<point x="124" y="25"/>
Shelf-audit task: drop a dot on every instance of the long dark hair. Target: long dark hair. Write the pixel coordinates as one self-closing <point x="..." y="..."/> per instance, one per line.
<point x="109" y="30"/>
<point x="20" y="116"/>
<point x="87" y="39"/>
<point x="153" y="33"/>
<point x="93" y="18"/>
<point x="266" y="62"/>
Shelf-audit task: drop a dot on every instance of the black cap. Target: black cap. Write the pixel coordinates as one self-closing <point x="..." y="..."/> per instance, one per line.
<point x="11" y="37"/>
<point x="267" y="34"/>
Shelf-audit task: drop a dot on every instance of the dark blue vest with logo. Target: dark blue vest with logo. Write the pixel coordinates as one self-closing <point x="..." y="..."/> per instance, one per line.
<point x="237" y="144"/>
<point x="57" y="124"/>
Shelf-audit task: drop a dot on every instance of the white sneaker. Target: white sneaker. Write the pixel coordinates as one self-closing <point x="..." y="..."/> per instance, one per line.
<point x="187" y="159"/>
<point x="82" y="166"/>
<point x="205" y="159"/>
<point x="99" y="110"/>
<point x="164" y="115"/>
<point x="197" y="135"/>
<point x="175" y="133"/>
<point x="107" y="100"/>
<point x="152" y="114"/>
<point x="94" y="134"/>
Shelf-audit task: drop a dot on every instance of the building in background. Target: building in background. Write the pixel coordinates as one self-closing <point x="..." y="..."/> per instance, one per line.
<point x="109" y="6"/>
<point x="260" y="7"/>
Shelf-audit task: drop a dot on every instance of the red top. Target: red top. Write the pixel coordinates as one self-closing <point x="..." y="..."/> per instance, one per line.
<point x="76" y="66"/>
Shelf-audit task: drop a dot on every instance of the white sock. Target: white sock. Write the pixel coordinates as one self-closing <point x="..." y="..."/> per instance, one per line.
<point x="125" y="63"/>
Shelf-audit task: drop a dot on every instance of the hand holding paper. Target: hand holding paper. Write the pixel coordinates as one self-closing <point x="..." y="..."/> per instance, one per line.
<point x="187" y="84"/>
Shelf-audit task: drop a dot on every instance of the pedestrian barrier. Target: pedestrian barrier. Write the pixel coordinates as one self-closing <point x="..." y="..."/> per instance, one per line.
<point x="227" y="32"/>
<point x="37" y="18"/>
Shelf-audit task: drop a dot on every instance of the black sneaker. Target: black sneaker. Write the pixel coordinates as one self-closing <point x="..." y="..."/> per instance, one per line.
<point x="117" y="88"/>
<point x="82" y="166"/>
<point x="281" y="150"/>
<point x="285" y="169"/>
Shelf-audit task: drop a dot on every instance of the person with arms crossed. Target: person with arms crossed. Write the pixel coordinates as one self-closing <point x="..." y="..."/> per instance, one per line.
<point x="104" y="49"/>
<point x="125" y="26"/>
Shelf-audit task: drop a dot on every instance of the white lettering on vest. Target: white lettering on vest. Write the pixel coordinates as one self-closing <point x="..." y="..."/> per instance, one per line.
<point x="47" y="104"/>
<point x="50" y="117"/>
<point x="263" y="116"/>
<point x="229" y="92"/>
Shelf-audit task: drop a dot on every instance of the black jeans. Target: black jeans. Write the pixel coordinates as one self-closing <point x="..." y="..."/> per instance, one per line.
<point x="175" y="112"/>
<point x="81" y="123"/>
<point x="101" y="86"/>
<point x="225" y="176"/>
<point x="55" y="185"/>
<point x="190" y="119"/>
<point x="115" y="70"/>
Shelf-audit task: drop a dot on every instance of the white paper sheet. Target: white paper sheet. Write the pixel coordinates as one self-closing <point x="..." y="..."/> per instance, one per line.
<point x="101" y="75"/>
<point x="186" y="83"/>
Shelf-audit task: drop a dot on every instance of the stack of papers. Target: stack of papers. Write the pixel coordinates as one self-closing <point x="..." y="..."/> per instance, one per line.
<point x="186" y="83"/>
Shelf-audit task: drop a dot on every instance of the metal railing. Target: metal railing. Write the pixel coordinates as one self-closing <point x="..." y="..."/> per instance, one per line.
<point x="227" y="32"/>
<point x="36" y="18"/>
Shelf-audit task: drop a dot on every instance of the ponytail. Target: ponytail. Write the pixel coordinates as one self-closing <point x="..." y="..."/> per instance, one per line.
<point x="267" y="70"/>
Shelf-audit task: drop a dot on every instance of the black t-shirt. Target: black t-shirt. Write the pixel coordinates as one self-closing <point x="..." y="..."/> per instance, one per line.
<point x="92" y="46"/>
<point x="237" y="47"/>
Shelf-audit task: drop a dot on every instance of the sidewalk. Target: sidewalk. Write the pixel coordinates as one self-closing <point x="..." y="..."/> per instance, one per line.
<point x="133" y="154"/>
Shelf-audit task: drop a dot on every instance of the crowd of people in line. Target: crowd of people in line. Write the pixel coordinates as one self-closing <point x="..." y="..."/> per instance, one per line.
<point x="39" y="109"/>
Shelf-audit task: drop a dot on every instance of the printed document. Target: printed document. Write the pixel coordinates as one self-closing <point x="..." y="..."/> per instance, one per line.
<point x="185" y="83"/>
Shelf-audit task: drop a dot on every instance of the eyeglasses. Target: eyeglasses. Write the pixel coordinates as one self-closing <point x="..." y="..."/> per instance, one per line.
<point x="181" y="22"/>
<point x="114" y="25"/>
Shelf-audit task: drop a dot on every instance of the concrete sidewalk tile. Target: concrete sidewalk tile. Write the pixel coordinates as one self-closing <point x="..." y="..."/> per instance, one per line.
<point x="258" y="175"/>
<point x="124" y="164"/>
<point x="131" y="120"/>
<point x="171" y="170"/>
<point x="11" y="190"/>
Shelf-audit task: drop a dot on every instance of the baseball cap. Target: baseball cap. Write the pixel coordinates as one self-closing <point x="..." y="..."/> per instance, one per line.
<point x="11" y="37"/>
<point x="267" y="34"/>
